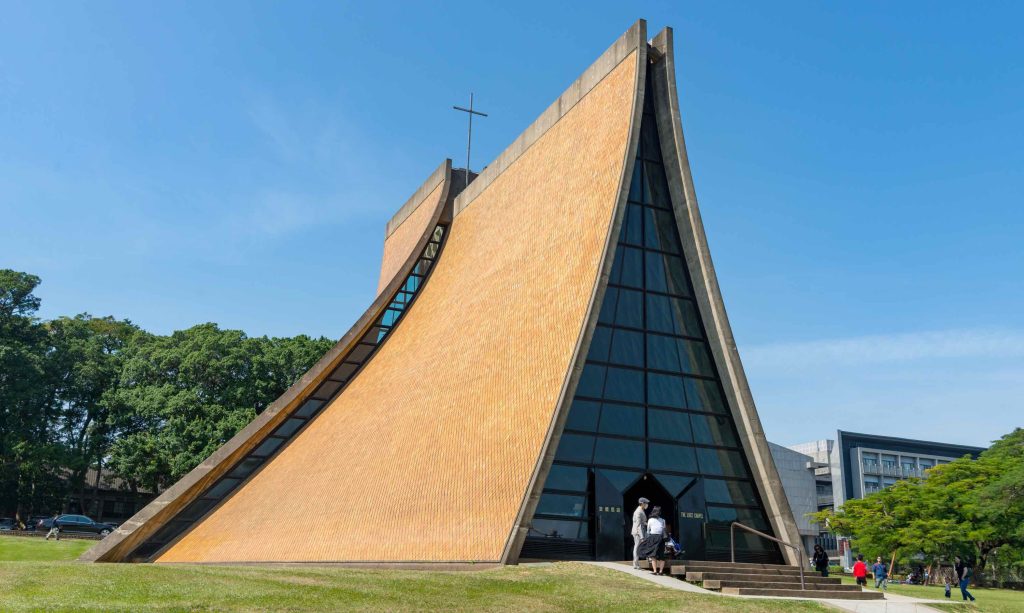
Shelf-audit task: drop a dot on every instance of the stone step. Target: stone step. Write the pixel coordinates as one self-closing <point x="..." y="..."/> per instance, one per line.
<point x="798" y="593"/>
<point x="717" y="584"/>
<point x="784" y="571"/>
<point x="761" y="576"/>
<point x="737" y="565"/>
<point x="646" y="565"/>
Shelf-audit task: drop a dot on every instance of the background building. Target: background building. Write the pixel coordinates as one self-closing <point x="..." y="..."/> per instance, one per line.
<point x="854" y="465"/>
<point x="797" y="471"/>
<point x="107" y="499"/>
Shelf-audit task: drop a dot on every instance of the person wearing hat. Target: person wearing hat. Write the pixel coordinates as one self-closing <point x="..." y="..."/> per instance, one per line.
<point x="639" y="530"/>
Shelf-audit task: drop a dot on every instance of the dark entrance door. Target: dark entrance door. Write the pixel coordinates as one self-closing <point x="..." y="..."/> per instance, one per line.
<point x="646" y="487"/>
<point x="610" y="527"/>
<point x="691" y="520"/>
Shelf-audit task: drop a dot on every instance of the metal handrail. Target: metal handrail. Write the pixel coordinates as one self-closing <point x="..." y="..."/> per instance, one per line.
<point x="732" y="546"/>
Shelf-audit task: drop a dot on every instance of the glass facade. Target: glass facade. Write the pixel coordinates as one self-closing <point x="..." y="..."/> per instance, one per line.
<point x="310" y="407"/>
<point x="649" y="402"/>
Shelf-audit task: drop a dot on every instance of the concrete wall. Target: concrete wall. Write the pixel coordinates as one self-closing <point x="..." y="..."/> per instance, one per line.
<point x="799" y="484"/>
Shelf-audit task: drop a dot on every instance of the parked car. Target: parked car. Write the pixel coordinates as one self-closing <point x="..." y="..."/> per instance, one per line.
<point x="76" y="523"/>
<point x="8" y="523"/>
<point x="33" y="522"/>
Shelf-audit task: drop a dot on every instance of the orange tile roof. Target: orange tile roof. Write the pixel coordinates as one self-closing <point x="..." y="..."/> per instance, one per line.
<point x="428" y="453"/>
<point x="401" y="242"/>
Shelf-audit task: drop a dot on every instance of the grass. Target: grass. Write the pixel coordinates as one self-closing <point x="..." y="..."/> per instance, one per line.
<point x="990" y="600"/>
<point x="69" y="586"/>
<point x="24" y="548"/>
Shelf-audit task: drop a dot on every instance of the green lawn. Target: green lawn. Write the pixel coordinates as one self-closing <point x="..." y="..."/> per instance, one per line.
<point x="24" y="548"/>
<point x="71" y="586"/>
<point x="989" y="600"/>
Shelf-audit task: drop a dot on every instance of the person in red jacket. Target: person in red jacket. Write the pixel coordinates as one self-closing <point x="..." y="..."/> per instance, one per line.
<point x="860" y="571"/>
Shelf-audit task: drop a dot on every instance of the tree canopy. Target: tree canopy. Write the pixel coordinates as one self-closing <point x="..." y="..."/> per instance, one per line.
<point x="970" y="507"/>
<point x="84" y="392"/>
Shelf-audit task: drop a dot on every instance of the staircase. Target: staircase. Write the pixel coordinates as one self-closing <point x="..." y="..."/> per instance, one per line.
<point x="743" y="579"/>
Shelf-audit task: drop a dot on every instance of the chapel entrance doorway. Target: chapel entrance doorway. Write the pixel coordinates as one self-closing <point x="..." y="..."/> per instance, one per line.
<point x="650" y="488"/>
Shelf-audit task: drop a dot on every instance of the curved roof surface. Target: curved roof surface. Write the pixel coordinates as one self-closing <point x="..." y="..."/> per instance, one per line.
<point x="408" y="225"/>
<point x="440" y="433"/>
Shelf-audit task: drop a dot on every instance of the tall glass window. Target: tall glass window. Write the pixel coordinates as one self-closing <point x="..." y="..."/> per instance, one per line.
<point x="650" y="399"/>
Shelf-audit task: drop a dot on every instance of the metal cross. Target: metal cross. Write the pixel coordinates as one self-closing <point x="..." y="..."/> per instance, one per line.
<point x="469" y="140"/>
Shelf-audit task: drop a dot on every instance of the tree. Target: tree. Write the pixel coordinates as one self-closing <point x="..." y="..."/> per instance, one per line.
<point x="88" y="359"/>
<point x="95" y="392"/>
<point x="891" y="522"/>
<point x="985" y="495"/>
<point x="966" y="507"/>
<point x="281" y="361"/>
<point x="1002" y="499"/>
<point x="191" y="391"/>
<point x="16" y="297"/>
<point x="28" y="451"/>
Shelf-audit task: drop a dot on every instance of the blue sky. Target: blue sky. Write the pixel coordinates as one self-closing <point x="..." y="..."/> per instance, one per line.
<point x="859" y="168"/>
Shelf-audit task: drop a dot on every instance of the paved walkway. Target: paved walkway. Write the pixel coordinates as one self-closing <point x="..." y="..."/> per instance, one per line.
<point x="892" y="604"/>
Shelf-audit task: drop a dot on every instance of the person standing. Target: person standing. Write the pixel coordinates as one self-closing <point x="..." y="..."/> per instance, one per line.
<point x="963" y="575"/>
<point x="820" y="560"/>
<point x="639" y="530"/>
<point x="653" y="545"/>
<point x="881" y="574"/>
<point x="54" y="527"/>
<point x="860" y="571"/>
<point x="947" y="578"/>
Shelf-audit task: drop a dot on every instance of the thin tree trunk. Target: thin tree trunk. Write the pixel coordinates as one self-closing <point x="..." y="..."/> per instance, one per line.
<point x="82" y="503"/>
<point x="96" y="490"/>
<point x="983" y="553"/>
<point x="31" y="499"/>
<point x="83" y="508"/>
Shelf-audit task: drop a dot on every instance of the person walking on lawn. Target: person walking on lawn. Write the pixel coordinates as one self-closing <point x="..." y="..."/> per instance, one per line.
<point x="947" y="578"/>
<point x="54" y="528"/>
<point x="860" y="571"/>
<point x="881" y="574"/>
<point x="963" y="575"/>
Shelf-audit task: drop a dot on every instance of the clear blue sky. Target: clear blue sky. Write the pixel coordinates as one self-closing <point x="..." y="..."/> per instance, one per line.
<point x="860" y="170"/>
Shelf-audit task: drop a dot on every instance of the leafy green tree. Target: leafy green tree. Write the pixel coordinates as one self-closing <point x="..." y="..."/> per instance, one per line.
<point x="281" y="361"/>
<point x="984" y="497"/>
<point x="193" y="390"/>
<point x="28" y="451"/>
<point x="88" y="358"/>
<point x="968" y="507"/>
<point x="1002" y="499"/>
<point x="84" y="392"/>
<point x="888" y="522"/>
